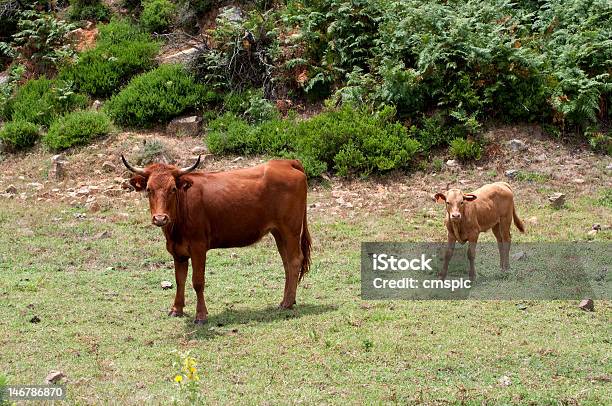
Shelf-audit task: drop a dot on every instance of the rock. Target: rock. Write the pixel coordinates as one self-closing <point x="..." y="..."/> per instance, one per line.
<point x="541" y="158"/>
<point x="557" y="200"/>
<point x="54" y="377"/>
<point x="517" y="145"/>
<point x="591" y="234"/>
<point x="84" y="191"/>
<point x="185" y="126"/>
<point x="114" y="192"/>
<point x="609" y="167"/>
<point x="587" y="305"/>
<point x="96" y="105"/>
<point x="199" y="150"/>
<point x="233" y="13"/>
<point x="578" y="181"/>
<point x="521" y="306"/>
<point x="519" y="255"/>
<point x="505" y="381"/>
<point x="83" y="38"/>
<point x="451" y="163"/>
<point x="166" y="285"/>
<point x="181" y="56"/>
<point x="596" y="227"/>
<point x="11" y="189"/>
<point x="35" y="320"/>
<point x="4" y="77"/>
<point x="511" y="173"/>
<point x="93" y="207"/>
<point x="237" y="159"/>
<point x="58" y="167"/>
<point x="108" y="166"/>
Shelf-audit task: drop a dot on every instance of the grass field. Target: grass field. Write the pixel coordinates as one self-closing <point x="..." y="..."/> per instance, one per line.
<point x="103" y="318"/>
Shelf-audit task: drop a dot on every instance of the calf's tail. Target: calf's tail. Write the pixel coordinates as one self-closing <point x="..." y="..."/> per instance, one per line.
<point x="305" y="245"/>
<point x="517" y="221"/>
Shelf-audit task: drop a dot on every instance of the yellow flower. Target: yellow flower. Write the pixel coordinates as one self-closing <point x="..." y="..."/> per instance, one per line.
<point x="178" y="378"/>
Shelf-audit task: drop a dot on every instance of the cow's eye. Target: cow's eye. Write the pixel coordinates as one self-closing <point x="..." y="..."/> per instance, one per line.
<point x="173" y="189"/>
<point x="462" y="202"/>
<point x="448" y="203"/>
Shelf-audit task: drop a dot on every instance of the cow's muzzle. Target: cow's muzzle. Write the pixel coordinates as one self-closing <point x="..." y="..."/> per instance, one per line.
<point x="160" y="220"/>
<point x="455" y="216"/>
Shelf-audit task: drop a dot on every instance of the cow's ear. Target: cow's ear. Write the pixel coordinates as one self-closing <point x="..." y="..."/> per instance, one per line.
<point x="184" y="184"/>
<point x="469" y="197"/>
<point x="439" y="198"/>
<point x="138" y="182"/>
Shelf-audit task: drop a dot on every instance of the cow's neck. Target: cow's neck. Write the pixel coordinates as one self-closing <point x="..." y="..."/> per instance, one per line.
<point x="457" y="231"/>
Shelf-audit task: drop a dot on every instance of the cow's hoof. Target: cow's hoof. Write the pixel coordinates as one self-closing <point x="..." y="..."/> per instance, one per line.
<point x="284" y="305"/>
<point x="174" y="313"/>
<point x="200" y="322"/>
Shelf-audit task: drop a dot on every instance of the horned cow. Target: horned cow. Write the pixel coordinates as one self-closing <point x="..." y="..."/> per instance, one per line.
<point x="490" y="207"/>
<point x="200" y="211"/>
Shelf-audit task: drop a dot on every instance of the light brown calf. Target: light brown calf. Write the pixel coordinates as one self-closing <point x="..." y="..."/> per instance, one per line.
<point x="468" y="215"/>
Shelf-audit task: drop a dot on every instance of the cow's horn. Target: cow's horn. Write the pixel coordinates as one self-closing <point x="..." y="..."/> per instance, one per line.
<point x="191" y="168"/>
<point x="135" y="169"/>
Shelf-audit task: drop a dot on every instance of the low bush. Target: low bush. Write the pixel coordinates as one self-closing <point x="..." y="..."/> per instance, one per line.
<point x="465" y="150"/>
<point x="251" y="105"/>
<point x="122" y="52"/>
<point x="38" y="101"/>
<point x="157" y="97"/>
<point x="19" y="134"/>
<point x="91" y="10"/>
<point x="76" y="128"/>
<point x="349" y="141"/>
<point x="157" y="15"/>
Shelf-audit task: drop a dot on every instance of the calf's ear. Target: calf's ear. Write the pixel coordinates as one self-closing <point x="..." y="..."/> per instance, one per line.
<point x="469" y="197"/>
<point x="439" y="197"/>
<point x="138" y="182"/>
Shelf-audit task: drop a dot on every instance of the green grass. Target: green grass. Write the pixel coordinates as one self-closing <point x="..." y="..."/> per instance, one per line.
<point x="104" y="324"/>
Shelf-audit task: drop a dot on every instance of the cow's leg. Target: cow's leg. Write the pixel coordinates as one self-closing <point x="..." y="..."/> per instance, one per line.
<point x="500" y="246"/>
<point x="448" y="254"/>
<point x="180" y="276"/>
<point x="291" y="252"/>
<point x="198" y="263"/>
<point x="471" y="254"/>
<point x="504" y="228"/>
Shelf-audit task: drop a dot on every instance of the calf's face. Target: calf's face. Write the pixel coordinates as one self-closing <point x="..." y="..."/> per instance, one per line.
<point x="455" y="201"/>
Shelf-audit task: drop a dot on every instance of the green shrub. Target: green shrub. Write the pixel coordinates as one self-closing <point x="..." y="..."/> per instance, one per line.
<point x="122" y="52"/>
<point x="157" y="15"/>
<point x="76" y="128"/>
<point x="19" y="134"/>
<point x="157" y="97"/>
<point x="600" y="142"/>
<point x="251" y="105"/>
<point x="91" y="10"/>
<point x="348" y="140"/>
<point x="465" y="150"/>
<point x="40" y="100"/>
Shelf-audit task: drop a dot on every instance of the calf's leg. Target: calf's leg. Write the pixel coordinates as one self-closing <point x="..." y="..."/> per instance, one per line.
<point x="504" y="227"/>
<point x="471" y="254"/>
<point x="198" y="263"/>
<point x="289" y="248"/>
<point x="500" y="246"/>
<point x="180" y="276"/>
<point x="448" y="254"/>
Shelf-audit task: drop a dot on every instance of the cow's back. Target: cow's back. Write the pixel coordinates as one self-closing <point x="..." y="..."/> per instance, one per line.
<point x="494" y="202"/>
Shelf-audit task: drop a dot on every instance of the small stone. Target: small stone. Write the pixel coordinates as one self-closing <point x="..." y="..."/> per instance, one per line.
<point x="113" y="192"/>
<point x="200" y="149"/>
<point x="609" y="167"/>
<point x="517" y="145"/>
<point x="96" y="105"/>
<point x="93" y="207"/>
<point x="108" y="166"/>
<point x="184" y="126"/>
<point x="84" y="191"/>
<point x="36" y="185"/>
<point x="557" y="200"/>
<point x="166" y="285"/>
<point x="578" y="181"/>
<point x="591" y="234"/>
<point x="505" y="381"/>
<point x="519" y="255"/>
<point x="451" y="163"/>
<point x="54" y="377"/>
<point x="103" y="235"/>
<point x="511" y="173"/>
<point x="521" y="306"/>
<point x="11" y="189"/>
<point x="237" y="159"/>
<point x="181" y="56"/>
<point x="541" y="158"/>
<point x="58" y="170"/>
<point x="587" y="305"/>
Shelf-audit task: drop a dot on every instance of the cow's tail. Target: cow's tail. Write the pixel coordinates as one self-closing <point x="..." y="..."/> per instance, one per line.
<point x="517" y="221"/>
<point x="305" y="245"/>
<point x="305" y="241"/>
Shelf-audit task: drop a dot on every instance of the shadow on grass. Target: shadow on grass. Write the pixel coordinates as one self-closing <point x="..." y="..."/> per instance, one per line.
<point x="225" y="323"/>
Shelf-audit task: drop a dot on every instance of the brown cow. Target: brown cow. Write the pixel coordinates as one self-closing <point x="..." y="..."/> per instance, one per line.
<point x="199" y="211"/>
<point x="468" y="215"/>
